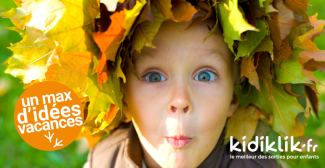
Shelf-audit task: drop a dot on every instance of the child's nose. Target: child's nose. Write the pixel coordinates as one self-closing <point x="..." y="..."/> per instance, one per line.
<point x="174" y="109"/>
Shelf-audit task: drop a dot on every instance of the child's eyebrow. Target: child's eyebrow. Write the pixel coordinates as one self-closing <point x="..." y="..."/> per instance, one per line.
<point x="214" y="54"/>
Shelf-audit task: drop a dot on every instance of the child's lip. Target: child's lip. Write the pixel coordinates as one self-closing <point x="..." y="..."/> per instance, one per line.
<point x="178" y="141"/>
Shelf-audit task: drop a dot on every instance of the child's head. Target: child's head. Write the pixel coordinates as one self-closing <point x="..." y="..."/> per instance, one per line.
<point x="180" y="104"/>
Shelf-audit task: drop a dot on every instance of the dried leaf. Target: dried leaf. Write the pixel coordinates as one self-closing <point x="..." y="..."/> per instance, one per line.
<point x="146" y="31"/>
<point x="298" y="6"/>
<point x="243" y="123"/>
<point x="248" y="70"/>
<point x="264" y="71"/>
<point x="177" y="10"/>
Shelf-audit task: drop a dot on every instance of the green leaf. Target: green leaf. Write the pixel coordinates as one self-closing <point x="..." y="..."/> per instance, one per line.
<point x="299" y="89"/>
<point x="290" y="71"/>
<point x="245" y="48"/>
<point x="261" y="3"/>
<point x="265" y="45"/>
<point x="101" y="99"/>
<point x="283" y="106"/>
<point x="232" y="30"/>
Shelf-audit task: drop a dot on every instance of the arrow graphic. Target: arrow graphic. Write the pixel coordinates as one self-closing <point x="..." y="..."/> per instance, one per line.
<point x="57" y="144"/>
<point x="50" y="136"/>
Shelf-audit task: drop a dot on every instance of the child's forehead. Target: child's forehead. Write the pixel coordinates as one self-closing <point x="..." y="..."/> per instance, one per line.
<point x="173" y="40"/>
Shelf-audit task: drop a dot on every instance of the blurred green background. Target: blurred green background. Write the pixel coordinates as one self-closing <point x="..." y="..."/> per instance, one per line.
<point x="14" y="152"/>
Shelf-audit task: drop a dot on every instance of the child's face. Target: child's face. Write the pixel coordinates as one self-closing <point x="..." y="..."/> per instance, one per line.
<point x="180" y="105"/>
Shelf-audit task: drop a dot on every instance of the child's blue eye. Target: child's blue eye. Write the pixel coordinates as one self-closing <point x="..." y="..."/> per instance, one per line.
<point x="205" y="76"/>
<point x="155" y="77"/>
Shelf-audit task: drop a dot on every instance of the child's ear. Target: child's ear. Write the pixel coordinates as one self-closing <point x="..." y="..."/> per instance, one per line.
<point x="233" y="106"/>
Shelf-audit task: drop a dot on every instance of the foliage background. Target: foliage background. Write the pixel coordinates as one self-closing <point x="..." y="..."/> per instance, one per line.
<point x="14" y="152"/>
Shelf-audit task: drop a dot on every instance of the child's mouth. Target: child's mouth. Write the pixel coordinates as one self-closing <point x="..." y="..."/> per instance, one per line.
<point x="178" y="141"/>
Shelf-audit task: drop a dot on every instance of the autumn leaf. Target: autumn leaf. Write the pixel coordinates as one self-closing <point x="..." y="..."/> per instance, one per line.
<point x="298" y="6"/>
<point x="313" y="98"/>
<point x="262" y="7"/>
<point x="146" y="31"/>
<point x="30" y="58"/>
<point x="176" y="10"/>
<point x="248" y="69"/>
<point x="281" y="23"/>
<point x="312" y="60"/>
<point x="290" y="71"/>
<point x="283" y="106"/>
<point x="287" y="88"/>
<point x="298" y="130"/>
<point x="265" y="45"/>
<point x="111" y="4"/>
<point x="121" y="23"/>
<point x="42" y="15"/>
<point x="72" y="71"/>
<point x="73" y="31"/>
<point x="245" y="48"/>
<point x="262" y="128"/>
<point x="118" y="69"/>
<point x="228" y="10"/>
<point x="243" y="123"/>
<point x="92" y="139"/>
<point x="211" y="10"/>
<point x="298" y="31"/>
<point x="265" y="70"/>
<point x="105" y="118"/>
<point x="101" y="99"/>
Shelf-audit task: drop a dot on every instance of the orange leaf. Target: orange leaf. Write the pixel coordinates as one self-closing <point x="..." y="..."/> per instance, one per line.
<point x="110" y="40"/>
<point x="298" y="6"/>
<point x="177" y="10"/>
<point x="281" y="23"/>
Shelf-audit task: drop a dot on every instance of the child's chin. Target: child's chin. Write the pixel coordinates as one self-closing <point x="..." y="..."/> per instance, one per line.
<point x="180" y="159"/>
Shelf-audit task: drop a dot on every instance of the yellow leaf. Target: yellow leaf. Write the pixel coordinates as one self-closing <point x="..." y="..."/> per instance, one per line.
<point x="243" y="123"/>
<point x="119" y="71"/>
<point x="298" y="130"/>
<point x="72" y="72"/>
<point x="73" y="31"/>
<point x="41" y="14"/>
<point x="30" y="58"/>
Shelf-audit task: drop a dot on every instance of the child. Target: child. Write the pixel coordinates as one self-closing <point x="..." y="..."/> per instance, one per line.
<point x="179" y="106"/>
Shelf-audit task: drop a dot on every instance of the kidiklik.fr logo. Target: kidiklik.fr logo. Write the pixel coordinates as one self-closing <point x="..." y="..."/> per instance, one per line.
<point x="270" y="146"/>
